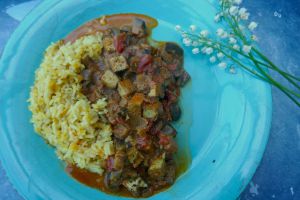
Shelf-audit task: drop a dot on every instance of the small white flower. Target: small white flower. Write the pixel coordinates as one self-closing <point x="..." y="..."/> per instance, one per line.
<point x="236" y="47"/>
<point x="193" y="28"/>
<point x="237" y="2"/>
<point x="232" y="40"/>
<point x="233" y="10"/>
<point x="184" y="35"/>
<point x="220" y="55"/>
<point x="177" y="27"/>
<point x="203" y="50"/>
<point x="241" y="27"/>
<point x="209" y="50"/>
<point x="252" y="26"/>
<point x="217" y="18"/>
<point x="212" y="59"/>
<point x="247" y="49"/>
<point x="195" y="50"/>
<point x="222" y="65"/>
<point x="204" y="33"/>
<point x="244" y="15"/>
<point x="187" y="42"/>
<point x="242" y="11"/>
<point x="232" y="70"/>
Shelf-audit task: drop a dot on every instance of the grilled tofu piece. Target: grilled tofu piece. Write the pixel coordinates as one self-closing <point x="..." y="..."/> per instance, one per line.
<point x="157" y="167"/>
<point x="110" y="79"/>
<point x="118" y="63"/>
<point x="125" y="87"/>
<point x="108" y="44"/>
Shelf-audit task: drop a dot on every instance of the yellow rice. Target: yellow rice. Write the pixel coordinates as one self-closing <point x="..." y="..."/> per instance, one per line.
<point x="62" y="114"/>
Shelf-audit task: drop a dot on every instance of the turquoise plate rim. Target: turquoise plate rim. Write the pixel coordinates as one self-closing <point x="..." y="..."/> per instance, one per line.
<point x="8" y="162"/>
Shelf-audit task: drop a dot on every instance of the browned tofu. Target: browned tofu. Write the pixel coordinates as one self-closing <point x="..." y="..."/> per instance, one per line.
<point x="157" y="167"/>
<point x="150" y="111"/>
<point x="142" y="82"/>
<point x="155" y="90"/>
<point x="110" y="79"/>
<point x="125" y="87"/>
<point x="108" y="44"/>
<point x="118" y="63"/>
<point x="135" y="104"/>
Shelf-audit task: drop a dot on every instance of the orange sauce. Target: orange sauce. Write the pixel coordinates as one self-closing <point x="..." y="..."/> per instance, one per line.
<point x="92" y="179"/>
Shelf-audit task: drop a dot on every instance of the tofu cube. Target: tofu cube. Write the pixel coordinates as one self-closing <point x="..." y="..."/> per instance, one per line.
<point x="110" y="79"/>
<point x="157" y="167"/>
<point x="125" y="87"/>
<point x="108" y="44"/>
<point x="155" y="90"/>
<point x="118" y="63"/>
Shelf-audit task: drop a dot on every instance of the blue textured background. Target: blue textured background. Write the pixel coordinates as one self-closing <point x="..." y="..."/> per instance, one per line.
<point x="278" y="176"/>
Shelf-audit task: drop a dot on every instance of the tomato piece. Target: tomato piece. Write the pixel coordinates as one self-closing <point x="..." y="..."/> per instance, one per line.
<point x="119" y="42"/>
<point x="145" y="62"/>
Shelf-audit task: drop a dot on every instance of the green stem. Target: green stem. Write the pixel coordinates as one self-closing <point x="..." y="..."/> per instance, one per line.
<point x="276" y="68"/>
<point x="275" y="83"/>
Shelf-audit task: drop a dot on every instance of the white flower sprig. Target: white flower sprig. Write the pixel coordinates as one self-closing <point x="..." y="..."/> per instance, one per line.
<point x="226" y="46"/>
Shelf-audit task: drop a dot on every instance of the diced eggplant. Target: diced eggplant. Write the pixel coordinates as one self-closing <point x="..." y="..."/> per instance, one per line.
<point x="157" y="167"/>
<point x="118" y="63"/>
<point x="120" y="157"/>
<point x="108" y="44"/>
<point x="110" y="79"/>
<point x="125" y="87"/>
<point x="175" y="111"/>
<point x="183" y="79"/>
<point x="113" y="180"/>
<point x="120" y="131"/>
<point x="168" y="129"/>
<point x="126" y="29"/>
<point x="135" y="185"/>
<point x="174" y="49"/>
<point x="139" y="27"/>
<point x="86" y="74"/>
<point x="134" y="157"/>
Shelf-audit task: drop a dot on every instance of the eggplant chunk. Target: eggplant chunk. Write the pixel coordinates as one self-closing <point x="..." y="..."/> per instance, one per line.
<point x="173" y="48"/>
<point x="120" y="131"/>
<point x="139" y="27"/>
<point x="168" y="129"/>
<point x="112" y="180"/>
<point x="175" y="111"/>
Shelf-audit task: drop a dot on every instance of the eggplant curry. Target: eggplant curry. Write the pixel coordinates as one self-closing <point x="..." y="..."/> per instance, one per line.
<point x="141" y="81"/>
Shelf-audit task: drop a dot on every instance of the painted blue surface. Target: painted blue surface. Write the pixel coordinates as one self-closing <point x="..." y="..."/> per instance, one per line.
<point x="278" y="174"/>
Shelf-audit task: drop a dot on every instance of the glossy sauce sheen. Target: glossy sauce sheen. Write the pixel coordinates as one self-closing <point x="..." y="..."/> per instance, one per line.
<point x="92" y="179"/>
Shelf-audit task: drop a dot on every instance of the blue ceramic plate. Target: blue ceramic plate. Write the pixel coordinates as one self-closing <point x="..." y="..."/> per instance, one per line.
<point x="225" y="123"/>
